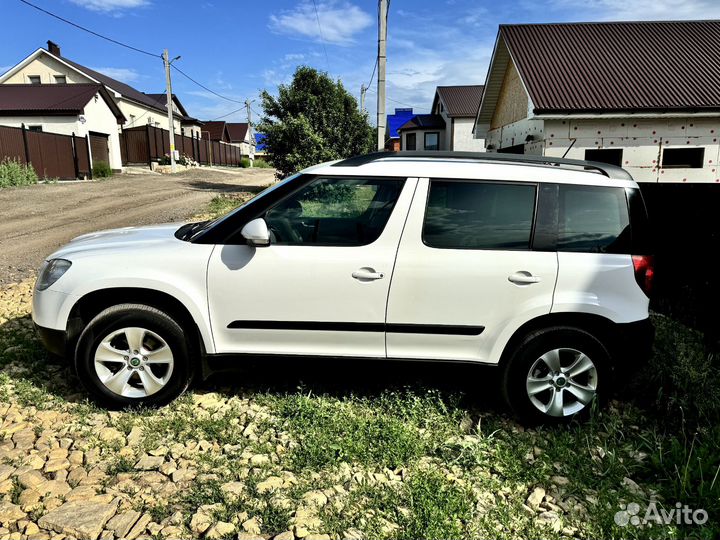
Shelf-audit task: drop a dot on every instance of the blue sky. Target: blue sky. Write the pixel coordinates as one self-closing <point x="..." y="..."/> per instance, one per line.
<point x="238" y="48"/>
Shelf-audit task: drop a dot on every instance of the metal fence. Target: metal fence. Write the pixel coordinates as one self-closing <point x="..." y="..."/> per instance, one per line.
<point x="145" y="144"/>
<point x="52" y="155"/>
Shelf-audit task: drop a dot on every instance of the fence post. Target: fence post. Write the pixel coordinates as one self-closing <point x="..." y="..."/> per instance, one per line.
<point x="75" y="157"/>
<point x="127" y="149"/>
<point x="147" y="131"/>
<point x="90" y="160"/>
<point x="25" y="143"/>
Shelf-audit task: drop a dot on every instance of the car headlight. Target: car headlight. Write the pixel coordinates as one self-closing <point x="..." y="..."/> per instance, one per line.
<point x="50" y="272"/>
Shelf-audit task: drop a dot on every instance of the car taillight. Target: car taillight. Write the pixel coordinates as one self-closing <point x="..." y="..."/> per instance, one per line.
<point x="644" y="266"/>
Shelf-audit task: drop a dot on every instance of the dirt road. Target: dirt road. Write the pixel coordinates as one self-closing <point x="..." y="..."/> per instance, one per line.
<point x="36" y="220"/>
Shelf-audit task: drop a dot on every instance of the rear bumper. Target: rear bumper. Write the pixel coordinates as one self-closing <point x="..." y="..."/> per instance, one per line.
<point x="633" y="345"/>
<point x="55" y="341"/>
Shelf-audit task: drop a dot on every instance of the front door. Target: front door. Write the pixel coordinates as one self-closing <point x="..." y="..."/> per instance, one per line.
<point x="465" y="271"/>
<point x="321" y="286"/>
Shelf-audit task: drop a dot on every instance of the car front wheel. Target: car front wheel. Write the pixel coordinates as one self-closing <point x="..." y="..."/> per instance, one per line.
<point x="133" y="355"/>
<point x="556" y="374"/>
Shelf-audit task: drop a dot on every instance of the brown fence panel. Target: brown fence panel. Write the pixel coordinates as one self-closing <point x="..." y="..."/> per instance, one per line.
<point x="83" y="157"/>
<point x="12" y="144"/>
<point x="51" y="154"/>
<point x="136" y="146"/>
<point x="202" y="146"/>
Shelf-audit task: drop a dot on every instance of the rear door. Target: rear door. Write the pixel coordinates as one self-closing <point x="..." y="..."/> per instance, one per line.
<point x="465" y="272"/>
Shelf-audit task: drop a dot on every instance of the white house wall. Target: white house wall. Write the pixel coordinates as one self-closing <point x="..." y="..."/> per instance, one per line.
<point x="46" y="67"/>
<point x="642" y="141"/>
<point x="139" y="116"/>
<point x="462" y="138"/>
<point x="100" y="119"/>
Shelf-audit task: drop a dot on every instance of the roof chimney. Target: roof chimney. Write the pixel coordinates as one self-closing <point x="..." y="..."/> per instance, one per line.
<point x="53" y="48"/>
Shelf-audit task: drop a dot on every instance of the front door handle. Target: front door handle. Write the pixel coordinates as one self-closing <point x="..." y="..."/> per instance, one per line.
<point x="523" y="277"/>
<point x="367" y="274"/>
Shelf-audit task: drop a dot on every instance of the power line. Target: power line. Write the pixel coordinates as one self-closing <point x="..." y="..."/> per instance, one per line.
<point x="322" y="38"/>
<point x="373" y="73"/>
<point x="228" y="114"/>
<point x="203" y="86"/>
<point x="111" y="40"/>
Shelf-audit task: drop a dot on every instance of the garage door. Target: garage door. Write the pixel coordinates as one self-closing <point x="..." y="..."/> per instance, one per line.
<point x="99" y="147"/>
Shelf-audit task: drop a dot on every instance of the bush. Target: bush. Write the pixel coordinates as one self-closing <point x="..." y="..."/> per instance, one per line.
<point x="101" y="170"/>
<point x="261" y="164"/>
<point x="183" y="159"/>
<point x="15" y="173"/>
<point x="245" y="163"/>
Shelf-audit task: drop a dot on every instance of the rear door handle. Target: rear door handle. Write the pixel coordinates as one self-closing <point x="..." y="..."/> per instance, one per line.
<point x="367" y="274"/>
<point x="523" y="278"/>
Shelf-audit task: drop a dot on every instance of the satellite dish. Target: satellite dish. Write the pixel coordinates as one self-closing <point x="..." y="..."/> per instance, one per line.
<point x="82" y="119"/>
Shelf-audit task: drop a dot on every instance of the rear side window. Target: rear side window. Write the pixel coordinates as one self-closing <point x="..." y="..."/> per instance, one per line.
<point x="593" y="219"/>
<point x="479" y="215"/>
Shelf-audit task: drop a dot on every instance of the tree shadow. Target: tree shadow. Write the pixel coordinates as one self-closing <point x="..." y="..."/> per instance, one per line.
<point x="223" y="187"/>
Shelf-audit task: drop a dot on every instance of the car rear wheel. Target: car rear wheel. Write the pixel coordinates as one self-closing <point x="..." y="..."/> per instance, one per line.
<point x="556" y="374"/>
<point x="133" y="355"/>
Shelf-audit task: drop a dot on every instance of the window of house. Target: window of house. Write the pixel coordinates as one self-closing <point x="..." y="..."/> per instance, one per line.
<point x="592" y="219"/>
<point x="411" y="141"/>
<point x="479" y="215"/>
<point x="683" y="158"/>
<point x="432" y="140"/>
<point x="334" y="212"/>
<point x="60" y="79"/>
<point x="611" y="156"/>
<point x="35" y="128"/>
<point x="34" y="79"/>
<point x="517" y="149"/>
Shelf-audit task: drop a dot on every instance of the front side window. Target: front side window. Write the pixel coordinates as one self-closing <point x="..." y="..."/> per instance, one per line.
<point x="334" y="212"/>
<point x="683" y="158"/>
<point x="479" y="215"/>
<point x="611" y="156"/>
<point x="411" y="141"/>
<point x="432" y="141"/>
<point x="34" y="79"/>
<point x="60" y="79"/>
<point x="593" y="219"/>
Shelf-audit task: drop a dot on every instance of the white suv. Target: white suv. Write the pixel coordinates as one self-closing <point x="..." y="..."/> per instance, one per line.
<point x="537" y="265"/>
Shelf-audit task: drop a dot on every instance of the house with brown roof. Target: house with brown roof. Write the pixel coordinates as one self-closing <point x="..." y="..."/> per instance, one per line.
<point x="643" y="95"/>
<point x="215" y="131"/>
<point x="50" y="67"/>
<point x="84" y="110"/>
<point x="241" y="135"/>
<point x="449" y="125"/>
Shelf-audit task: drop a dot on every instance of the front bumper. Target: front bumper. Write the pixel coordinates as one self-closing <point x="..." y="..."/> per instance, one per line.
<point x="55" y="341"/>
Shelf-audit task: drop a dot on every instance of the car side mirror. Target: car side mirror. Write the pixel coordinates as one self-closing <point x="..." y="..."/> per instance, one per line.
<point x="256" y="233"/>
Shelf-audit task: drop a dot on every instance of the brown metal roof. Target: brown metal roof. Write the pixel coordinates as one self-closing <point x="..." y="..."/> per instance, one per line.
<point x="237" y="131"/>
<point x="217" y="131"/>
<point x="618" y="66"/>
<point x="52" y="99"/>
<point x="460" y="101"/>
<point x="424" y="121"/>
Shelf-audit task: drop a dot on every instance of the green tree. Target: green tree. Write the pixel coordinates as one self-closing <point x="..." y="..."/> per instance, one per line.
<point x="313" y="119"/>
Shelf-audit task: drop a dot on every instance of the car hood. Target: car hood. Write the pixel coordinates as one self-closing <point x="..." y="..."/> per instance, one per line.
<point x="126" y="237"/>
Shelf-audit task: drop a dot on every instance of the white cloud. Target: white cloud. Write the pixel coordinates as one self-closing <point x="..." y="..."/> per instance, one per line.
<point x="622" y="10"/>
<point x="110" y="5"/>
<point x="126" y="75"/>
<point x="339" y="21"/>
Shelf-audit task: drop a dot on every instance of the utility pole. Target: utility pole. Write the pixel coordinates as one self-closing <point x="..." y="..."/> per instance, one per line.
<point x="168" y="84"/>
<point x="250" y="132"/>
<point x="382" y="59"/>
<point x="363" y="90"/>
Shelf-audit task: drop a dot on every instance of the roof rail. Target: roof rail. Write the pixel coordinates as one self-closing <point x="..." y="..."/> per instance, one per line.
<point x="611" y="171"/>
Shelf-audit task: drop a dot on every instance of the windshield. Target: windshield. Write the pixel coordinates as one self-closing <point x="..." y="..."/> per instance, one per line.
<point x="203" y="226"/>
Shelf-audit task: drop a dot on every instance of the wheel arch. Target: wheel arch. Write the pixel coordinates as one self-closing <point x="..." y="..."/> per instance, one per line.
<point x="93" y="302"/>
<point x="596" y="325"/>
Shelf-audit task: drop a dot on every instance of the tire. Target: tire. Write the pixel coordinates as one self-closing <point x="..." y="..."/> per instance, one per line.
<point x="538" y="394"/>
<point x="150" y="374"/>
